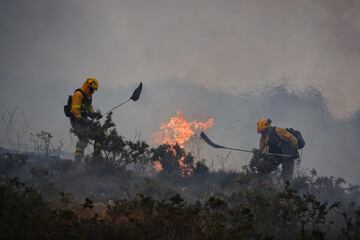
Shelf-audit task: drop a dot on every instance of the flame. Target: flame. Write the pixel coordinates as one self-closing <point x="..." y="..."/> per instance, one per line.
<point x="186" y="169"/>
<point x="179" y="130"/>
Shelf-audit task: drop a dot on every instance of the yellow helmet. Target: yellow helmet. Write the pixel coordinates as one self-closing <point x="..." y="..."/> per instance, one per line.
<point x="262" y="124"/>
<point x="91" y="82"/>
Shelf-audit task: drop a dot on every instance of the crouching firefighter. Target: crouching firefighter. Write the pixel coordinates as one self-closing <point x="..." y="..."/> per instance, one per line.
<point x="81" y="113"/>
<point x="275" y="140"/>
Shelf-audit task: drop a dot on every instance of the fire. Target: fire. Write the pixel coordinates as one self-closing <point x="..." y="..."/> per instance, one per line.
<point x="186" y="170"/>
<point x="179" y="130"/>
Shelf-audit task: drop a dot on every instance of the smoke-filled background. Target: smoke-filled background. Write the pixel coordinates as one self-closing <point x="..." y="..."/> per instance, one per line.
<point x="295" y="62"/>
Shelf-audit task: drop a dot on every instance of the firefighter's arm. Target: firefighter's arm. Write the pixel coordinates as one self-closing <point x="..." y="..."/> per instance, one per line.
<point x="76" y="104"/>
<point x="285" y="135"/>
<point x="91" y="109"/>
<point x="94" y="115"/>
<point x="263" y="144"/>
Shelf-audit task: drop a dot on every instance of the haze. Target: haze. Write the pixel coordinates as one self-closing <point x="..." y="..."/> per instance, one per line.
<point x="47" y="49"/>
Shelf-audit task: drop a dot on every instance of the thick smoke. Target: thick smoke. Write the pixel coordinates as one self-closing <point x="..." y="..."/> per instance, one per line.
<point x="331" y="144"/>
<point x="48" y="48"/>
<point x="231" y="44"/>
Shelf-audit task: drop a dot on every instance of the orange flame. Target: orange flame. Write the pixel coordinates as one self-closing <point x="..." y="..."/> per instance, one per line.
<point x="186" y="170"/>
<point x="179" y="130"/>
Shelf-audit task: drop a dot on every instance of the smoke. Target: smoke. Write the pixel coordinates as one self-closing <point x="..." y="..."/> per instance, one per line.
<point x="331" y="143"/>
<point x="228" y="44"/>
<point x="47" y="48"/>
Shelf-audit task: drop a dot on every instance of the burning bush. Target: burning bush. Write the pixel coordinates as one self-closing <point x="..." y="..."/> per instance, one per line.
<point x="173" y="159"/>
<point x="173" y="136"/>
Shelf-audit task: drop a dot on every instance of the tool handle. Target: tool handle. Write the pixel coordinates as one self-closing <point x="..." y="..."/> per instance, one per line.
<point x="116" y="107"/>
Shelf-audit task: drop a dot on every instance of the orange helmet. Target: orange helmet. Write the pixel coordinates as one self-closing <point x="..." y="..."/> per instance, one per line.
<point x="262" y="124"/>
<point x="91" y="82"/>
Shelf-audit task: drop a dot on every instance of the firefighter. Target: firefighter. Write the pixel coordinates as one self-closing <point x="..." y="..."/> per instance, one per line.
<point x="81" y="114"/>
<point x="279" y="141"/>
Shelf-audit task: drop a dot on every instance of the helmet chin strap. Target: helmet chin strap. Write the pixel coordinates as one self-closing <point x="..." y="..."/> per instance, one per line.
<point x="91" y="90"/>
<point x="86" y="91"/>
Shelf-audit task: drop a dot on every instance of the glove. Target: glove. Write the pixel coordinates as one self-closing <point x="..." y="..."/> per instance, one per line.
<point x="85" y="122"/>
<point x="96" y="115"/>
<point x="256" y="151"/>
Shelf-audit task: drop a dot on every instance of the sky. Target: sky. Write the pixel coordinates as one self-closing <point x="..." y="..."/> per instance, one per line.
<point x="234" y="45"/>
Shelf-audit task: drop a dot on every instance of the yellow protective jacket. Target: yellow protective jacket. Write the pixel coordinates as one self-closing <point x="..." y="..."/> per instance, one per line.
<point x="276" y="139"/>
<point x="81" y="103"/>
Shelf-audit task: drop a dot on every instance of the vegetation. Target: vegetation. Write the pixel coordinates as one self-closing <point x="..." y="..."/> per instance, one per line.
<point x="118" y="194"/>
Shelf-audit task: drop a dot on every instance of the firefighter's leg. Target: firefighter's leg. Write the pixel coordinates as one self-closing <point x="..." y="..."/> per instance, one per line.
<point x="287" y="169"/>
<point x="80" y="144"/>
<point x="79" y="151"/>
<point x="97" y="151"/>
<point x="264" y="164"/>
<point x="97" y="145"/>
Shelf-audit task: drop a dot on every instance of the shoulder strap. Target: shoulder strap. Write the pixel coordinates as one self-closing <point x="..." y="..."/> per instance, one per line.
<point x="272" y="130"/>
<point x="79" y="90"/>
<point x="85" y="97"/>
<point x="273" y="133"/>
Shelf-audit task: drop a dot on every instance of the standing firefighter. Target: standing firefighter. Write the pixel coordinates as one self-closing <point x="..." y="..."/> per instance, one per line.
<point x="279" y="141"/>
<point x="79" y="110"/>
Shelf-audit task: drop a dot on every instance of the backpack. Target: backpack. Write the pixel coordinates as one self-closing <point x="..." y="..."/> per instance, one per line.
<point x="67" y="107"/>
<point x="298" y="136"/>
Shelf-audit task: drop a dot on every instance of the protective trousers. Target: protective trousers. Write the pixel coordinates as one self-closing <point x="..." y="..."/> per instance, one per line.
<point x="266" y="164"/>
<point x="287" y="163"/>
<point x="83" y="134"/>
<point x="287" y="166"/>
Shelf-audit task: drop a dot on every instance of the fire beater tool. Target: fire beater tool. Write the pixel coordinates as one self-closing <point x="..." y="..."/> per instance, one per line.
<point x="214" y="145"/>
<point x="135" y="96"/>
